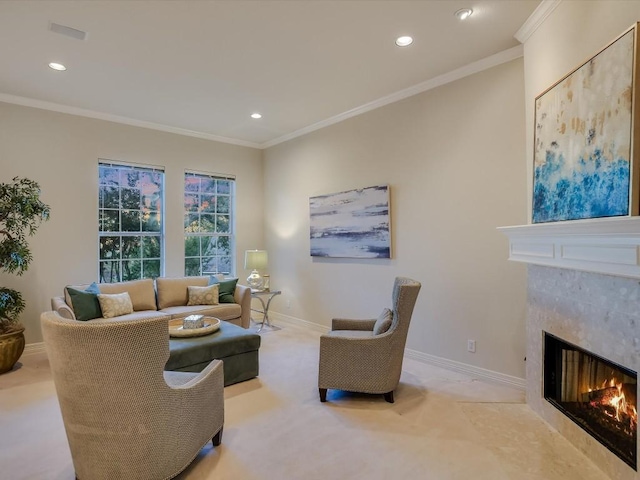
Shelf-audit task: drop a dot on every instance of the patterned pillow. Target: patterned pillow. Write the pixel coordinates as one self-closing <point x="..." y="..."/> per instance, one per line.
<point x="115" y="304"/>
<point x="203" y="295"/>
<point x="383" y="323"/>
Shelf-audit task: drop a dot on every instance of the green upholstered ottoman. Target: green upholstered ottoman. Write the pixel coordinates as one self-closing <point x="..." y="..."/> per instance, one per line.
<point x="235" y="346"/>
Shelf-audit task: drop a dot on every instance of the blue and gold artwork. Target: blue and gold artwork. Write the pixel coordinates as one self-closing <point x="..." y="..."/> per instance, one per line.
<point x="582" y="148"/>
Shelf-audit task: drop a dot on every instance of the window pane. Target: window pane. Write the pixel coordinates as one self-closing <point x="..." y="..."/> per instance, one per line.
<point x="129" y="177"/>
<point x="207" y="223"/>
<point x="222" y="224"/>
<point x="209" y="265"/>
<point x="209" y="246"/>
<point x="224" y="187"/>
<point x="150" y="268"/>
<point x="109" y="197"/>
<point x="108" y="175"/>
<point x="109" y="248"/>
<point x="224" y="265"/>
<point x="131" y="247"/>
<point x="223" y="204"/>
<point x="208" y="203"/>
<point x="150" y="247"/>
<point x="109" y="272"/>
<point x="130" y="198"/>
<point x="150" y="221"/>
<point x="191" y="203"/>
<point x="130" y="220"/>
<point x="191" y="184"/>
<point x="191" y="246"/>
<point x="207" y="185"/>
<point x="224" y="246"/>
<point x="109" y="221"/>
<point x="131" y="270"/>
<point x="191" y="223"/>
<point x="192" y="267"/>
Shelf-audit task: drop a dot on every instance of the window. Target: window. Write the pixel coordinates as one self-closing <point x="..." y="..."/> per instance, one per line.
<point x="130" y="213"/>
<point x="208" y="224"/>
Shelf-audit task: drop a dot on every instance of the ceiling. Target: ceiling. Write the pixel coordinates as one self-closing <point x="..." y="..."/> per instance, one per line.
<point x="202" y="67"/>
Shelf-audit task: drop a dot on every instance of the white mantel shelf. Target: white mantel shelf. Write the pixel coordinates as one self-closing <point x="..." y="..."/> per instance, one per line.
<point x="604" y="245"/>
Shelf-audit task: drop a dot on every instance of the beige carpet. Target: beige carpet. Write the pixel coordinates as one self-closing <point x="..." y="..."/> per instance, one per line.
<point x="443" y="425"/>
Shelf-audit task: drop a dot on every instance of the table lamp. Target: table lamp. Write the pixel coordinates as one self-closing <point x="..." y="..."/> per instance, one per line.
<point x="255" y="260"/>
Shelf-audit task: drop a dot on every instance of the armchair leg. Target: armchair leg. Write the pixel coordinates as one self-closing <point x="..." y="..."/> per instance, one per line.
<point x="389" y="397"/>
<point x="217" y="438"/>
<point x="323" y="394"/>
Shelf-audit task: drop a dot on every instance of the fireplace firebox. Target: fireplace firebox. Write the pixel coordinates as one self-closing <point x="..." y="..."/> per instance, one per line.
<point x="597" y="394"/>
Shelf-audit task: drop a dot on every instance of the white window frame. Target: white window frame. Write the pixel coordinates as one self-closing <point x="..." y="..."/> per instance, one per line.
<point x="160" y="235"/>
<point x="231" y="234"/>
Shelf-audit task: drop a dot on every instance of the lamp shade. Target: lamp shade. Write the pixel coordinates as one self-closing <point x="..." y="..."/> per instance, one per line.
<point x="255" y="259"/>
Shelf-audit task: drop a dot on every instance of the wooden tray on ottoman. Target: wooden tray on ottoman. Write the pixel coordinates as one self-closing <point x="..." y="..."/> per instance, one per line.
<point x="211" y="324"/>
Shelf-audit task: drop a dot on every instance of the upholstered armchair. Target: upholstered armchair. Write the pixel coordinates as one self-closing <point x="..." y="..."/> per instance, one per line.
<point x="366" y="355"/>
<point x="124" y="416"/>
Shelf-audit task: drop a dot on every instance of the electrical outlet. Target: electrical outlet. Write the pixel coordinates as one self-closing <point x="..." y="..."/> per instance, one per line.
<point x="288" y="304"/>
<point x="471" y="346"/>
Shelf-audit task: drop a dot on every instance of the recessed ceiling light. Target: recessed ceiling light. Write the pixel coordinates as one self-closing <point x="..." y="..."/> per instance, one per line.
<point x="404" y="41"/>
<point x="256" y="115"/>
<point x="57" y="66"/>
<point x="463" y="13"/>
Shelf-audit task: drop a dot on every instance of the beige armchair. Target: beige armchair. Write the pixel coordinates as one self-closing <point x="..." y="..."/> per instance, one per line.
<point x="124" y="416"/>
<point x="359" y="356"/>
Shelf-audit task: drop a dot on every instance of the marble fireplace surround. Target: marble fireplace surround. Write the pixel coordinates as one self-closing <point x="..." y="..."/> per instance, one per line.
<point x="592" y="300"/>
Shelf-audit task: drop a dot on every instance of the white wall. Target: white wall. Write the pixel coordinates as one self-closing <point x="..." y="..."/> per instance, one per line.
<point x="61" y="152"/>
<point x="454" y="158"/>
<point x="573" y="33"/>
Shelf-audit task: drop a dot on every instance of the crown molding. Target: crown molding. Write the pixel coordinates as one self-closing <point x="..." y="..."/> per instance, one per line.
<point x="56" y="107"/>
<point x="465" y="71"/>
<point x="536" y="19"/>
<point x="470" y="69"/>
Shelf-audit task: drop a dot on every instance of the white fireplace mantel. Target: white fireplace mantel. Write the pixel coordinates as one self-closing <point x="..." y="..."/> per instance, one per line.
<point x="604" y="245"/>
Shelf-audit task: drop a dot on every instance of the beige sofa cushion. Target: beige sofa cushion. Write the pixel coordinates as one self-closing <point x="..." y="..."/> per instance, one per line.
<point x="143" y="296"/>
<point x="223" y="311"/>
<point x="172" y="292"/>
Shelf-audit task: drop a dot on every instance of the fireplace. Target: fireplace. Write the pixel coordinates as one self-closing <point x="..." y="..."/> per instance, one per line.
<point x="597" y="394"/>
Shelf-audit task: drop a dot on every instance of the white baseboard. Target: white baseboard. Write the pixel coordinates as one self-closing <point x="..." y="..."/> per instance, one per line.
<point x="33" y="348"/>
<point x="471" y="370"/>
<point x="296" y="322"/>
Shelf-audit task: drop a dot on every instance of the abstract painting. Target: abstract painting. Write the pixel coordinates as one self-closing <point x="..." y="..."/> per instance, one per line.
<point x="583" y="146"/>
<point x="351" y="224"/>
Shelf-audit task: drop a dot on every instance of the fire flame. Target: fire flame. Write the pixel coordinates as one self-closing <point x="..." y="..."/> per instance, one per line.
<point x="619" y="402"/>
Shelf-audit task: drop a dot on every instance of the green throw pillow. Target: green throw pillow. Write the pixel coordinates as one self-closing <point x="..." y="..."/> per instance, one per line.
<point x="227" y="289"/>
<point x="85" y="302"/>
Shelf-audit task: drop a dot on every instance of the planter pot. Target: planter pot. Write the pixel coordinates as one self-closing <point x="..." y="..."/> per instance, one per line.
<point x="11" y="347"/>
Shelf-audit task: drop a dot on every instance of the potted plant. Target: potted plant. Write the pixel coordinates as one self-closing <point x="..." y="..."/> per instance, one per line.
<point x="21" y="212"/>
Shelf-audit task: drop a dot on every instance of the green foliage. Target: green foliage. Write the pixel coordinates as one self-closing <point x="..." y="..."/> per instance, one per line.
<point x="21" y="213"/>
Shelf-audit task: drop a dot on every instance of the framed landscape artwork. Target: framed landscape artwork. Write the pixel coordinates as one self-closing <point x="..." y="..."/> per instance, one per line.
<point x="585" y="158"/>
<point x="351" y="224"/>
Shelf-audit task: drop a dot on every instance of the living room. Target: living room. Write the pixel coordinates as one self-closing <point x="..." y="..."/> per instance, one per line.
<point x="457" y="157"/>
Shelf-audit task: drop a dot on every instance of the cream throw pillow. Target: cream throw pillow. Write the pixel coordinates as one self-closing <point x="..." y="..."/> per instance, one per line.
<point x="203" y="295"/>
<point x="115" y="304"/>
